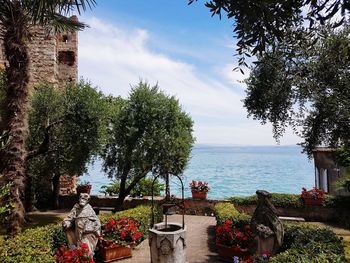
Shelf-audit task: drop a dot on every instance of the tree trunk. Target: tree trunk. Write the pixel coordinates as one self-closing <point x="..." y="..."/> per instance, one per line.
<point x="28" y="202"/>
<point x="15" y="120"/>
<point x="56" y="191"/>
<point x="119" y="203"/>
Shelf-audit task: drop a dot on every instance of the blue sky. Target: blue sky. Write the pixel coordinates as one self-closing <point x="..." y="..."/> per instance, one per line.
<point x="183" y="49"/>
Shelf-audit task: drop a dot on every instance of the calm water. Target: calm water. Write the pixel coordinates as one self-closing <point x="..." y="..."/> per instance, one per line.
<point x="237" y="171"/>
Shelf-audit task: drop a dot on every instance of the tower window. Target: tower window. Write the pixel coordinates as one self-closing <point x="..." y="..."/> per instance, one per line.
<point x="66" y="57"/>
<point x="65" y="38"/>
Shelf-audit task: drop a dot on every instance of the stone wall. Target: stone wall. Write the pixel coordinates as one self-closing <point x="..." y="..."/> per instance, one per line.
<point x="53" y="57"/>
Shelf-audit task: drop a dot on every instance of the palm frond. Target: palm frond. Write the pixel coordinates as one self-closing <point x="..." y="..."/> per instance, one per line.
<point x="42" y="10"/>
<point x="61" y="23"/>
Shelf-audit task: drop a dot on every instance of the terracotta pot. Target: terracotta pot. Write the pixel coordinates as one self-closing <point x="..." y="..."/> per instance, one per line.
<point x="227" y="253"/>
<point x="312" y="201"/>
<point x="199" y="195"/>
<point x="86" y="189"/>
<point x="115" y="253"/>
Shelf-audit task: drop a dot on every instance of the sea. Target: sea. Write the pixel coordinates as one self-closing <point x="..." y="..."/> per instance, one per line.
<point x="234" y="171"/>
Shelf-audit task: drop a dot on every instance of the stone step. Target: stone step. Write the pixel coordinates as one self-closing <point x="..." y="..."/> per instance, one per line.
<point x="294" y="219"/>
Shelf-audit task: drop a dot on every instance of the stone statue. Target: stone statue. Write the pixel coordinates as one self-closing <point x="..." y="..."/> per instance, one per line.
<point x="266" y="225"/>
<point x="82" y="225"/>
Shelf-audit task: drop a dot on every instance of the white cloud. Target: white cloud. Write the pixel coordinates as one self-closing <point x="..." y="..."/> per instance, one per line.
<point x="114" y="58"/>
<point x="234" y="76"/>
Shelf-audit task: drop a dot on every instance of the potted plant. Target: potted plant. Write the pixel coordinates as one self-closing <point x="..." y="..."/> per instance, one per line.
<point x="199" y="189"/>
<point x="117" y="239"/>
<point x="314" y="196"/>
<point x="233" y="241"/>
<point x="84" y="187"/>
<point x="79" y="255"/>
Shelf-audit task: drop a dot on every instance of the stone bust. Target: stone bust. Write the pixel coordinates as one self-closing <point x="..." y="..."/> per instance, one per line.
<point x="82" y="225"/>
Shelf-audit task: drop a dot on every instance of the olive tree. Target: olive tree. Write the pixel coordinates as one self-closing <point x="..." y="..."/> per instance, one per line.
<point x="308" y="89"/>
<point x="67" y="129"/>
<point x="150" y="134"/>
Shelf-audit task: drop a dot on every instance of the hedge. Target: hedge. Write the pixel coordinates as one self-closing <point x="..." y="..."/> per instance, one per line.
<point x="227" y="210"/>
<point x="305" y="243"/>
<point x="278" y="200"/>
<point x="38" y="244"/>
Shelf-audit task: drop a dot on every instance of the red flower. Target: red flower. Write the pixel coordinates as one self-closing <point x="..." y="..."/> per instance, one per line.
<point x="79" y="255"/>
<point x="230" y="235"/>
<point x="123" y="231"/>
<point x="199" y="186"/>
<point x="314" y="193"/>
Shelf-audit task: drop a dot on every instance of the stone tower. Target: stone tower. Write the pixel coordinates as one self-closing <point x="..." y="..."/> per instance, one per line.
<point x="53" y="57"/>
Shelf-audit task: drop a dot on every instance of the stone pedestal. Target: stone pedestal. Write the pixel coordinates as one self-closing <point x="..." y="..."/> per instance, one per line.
<point x="265" y="245"/>
<point x="167" y="245"/>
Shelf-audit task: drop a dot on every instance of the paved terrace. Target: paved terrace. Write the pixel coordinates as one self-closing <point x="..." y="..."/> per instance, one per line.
<point x="199" y="239"/>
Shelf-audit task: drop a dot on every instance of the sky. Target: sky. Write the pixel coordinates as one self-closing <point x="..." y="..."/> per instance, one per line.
<point x="185" y="51"/>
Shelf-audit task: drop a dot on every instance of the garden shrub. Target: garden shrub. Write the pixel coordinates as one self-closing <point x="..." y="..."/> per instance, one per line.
<point x="38" y="244"/>
<point x="227" y="210"/>
<point x="337" y="201"/>
<point x="305" y="243"/>
<point x="33" y="245"/>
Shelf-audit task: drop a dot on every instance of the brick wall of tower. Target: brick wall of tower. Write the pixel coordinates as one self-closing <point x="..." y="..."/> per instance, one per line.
<point x="67" y="56"/>
<point x="53" y="58"/>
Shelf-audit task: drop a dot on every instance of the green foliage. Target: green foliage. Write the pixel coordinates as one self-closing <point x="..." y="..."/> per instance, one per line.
<point x="151" y="133"/>
<point x="227" y="210"/>
<point x="142" y="188"/>
<point x="278" y="200"/>
<point x="306" y="88"/>
<point x="5" y="204"/>
<point x="303" y="243"/>
<point x="33" y="245"/>
<point x="337" y="201"/>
